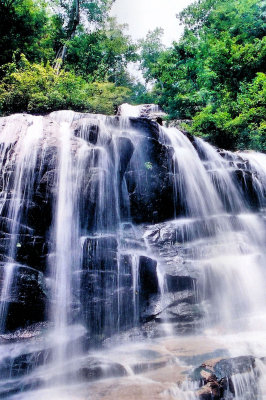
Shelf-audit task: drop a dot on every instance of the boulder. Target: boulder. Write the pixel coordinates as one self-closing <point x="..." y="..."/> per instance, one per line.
<point x="216" y="378"/>
<point x="100" y="369"/>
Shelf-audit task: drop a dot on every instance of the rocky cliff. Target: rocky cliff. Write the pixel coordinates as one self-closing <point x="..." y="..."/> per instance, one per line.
<point x="118" y="224"/>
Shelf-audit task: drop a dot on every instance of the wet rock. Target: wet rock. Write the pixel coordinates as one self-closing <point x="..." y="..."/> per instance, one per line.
<point x="26" y="299"/>
<point x="125" y="264"/>
<point x="236" y="365"/>
<point x="87" y="129"/>
<point x="148" y="277"/>
<point x="100" y="369"/>
<point x="181" y="313"/>
<point x="216" y="377"/>
<point x="125" y="150"/>
<point x="32" y="251"/>
<point x="24" y="334"/>
<point x="100" y="253"/>
<point x="143" y="367"/>
<point x="18" y="366"/>
<point x="150" y="128"/>
<point x="246" y="183"/>
<point x="47" y="182"/>
<point x="151" y="189"/>
<point x="7" y="224"/>
<point x="39" y="215"/>
<point x="154" y="307"/>
<point x="179" y="283"/>
<point x="106" y="292"/>
<point x="212" y="390"/>
<point x="49" y="159"/>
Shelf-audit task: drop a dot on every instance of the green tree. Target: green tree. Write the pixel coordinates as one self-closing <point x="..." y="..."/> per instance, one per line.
<point x="151" y="48"/>
<point x="27" y="28"/>
<point x="204" y="75"/>
<point x="102" y="55"/>
<point x="76" y="13"/>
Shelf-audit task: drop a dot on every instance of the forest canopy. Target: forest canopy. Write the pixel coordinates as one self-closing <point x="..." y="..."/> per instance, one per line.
<point x="215" y="75"/>
<point x="71" y="54"/>
<point x="67" y="54"/>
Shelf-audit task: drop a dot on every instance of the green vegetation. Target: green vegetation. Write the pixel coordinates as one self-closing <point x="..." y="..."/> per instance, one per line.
<point x="58" y="54"/>
<point x="215" y="75"/>
<point x="39" y="88"/>
<point x="51" y="60"/>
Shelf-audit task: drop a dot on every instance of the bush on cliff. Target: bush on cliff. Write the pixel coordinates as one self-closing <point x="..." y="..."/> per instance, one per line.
<point x="38" y="88"/>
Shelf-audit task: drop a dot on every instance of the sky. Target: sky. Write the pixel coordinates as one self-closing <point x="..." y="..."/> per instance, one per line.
<point x="144" y="15"/>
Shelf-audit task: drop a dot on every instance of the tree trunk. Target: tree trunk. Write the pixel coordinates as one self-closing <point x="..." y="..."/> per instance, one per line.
<point x="71" y="31"/>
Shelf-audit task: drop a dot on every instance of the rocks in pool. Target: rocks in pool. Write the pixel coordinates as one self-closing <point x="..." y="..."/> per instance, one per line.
<point x="227" y="378"/>
<point x="95" y="369"/>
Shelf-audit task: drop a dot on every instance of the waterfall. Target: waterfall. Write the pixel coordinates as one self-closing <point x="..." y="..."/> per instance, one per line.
<point x="258" y="164"/>
<point x="127" y="248"/>
<point x="24" y="156"/>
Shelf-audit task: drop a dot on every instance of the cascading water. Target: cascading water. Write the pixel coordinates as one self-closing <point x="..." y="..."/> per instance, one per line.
<point x="16" y="195"/>
<point x="117" y="236"/>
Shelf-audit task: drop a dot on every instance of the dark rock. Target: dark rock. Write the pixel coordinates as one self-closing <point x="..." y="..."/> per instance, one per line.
<point x="150" y="128"/>
<point x="100" y="253"/>
<point x="148" y="277"/>
<point x="23" y="364"/>
<point x="39" y="215"/>
<point x="7" y="225"/>
<point x="93" y="134"/>
<point x="32" y="251"/>
<point x="180" y="313"/>
<point x="216" y="378"/>
<point x="231" y="366"/>
<point x="179" y="283"/>
<point x="24" y="334"/>
<point x="26" y="297"/>
<point x="125" y="150"/>
<point x="47" y="182"/>
<point x="246" y="183"/>
<point x="87" y="129"/>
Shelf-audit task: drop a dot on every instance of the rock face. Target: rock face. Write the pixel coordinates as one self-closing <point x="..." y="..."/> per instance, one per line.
<point x="142" y="189"/>
<point x="113" y="223"/>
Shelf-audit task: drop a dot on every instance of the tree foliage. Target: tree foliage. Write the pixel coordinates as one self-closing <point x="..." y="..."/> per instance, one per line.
<point x="38" y="88"/>
<point x="26" y="28"/>
<point x="215" y="75"/>
<point x="71" y="54"/>
<point x="62" y="54"/>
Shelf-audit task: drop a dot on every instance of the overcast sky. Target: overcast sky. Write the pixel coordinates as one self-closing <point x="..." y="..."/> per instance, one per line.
<point x="145" y="15"/>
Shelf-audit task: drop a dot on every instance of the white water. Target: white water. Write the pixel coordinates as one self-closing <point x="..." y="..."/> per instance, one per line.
<point x="129" y="110"/>
<point x="191" y="178"/>
<point x="231" y="257"/>
<point x="5" y="292"/>
<point x="258" y="164"/>
<point x="215" y="231"/>
<point x="26" y="148"/>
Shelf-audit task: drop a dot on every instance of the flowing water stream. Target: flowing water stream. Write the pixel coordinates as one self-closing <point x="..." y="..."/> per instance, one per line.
<point x="130" y="254"/>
